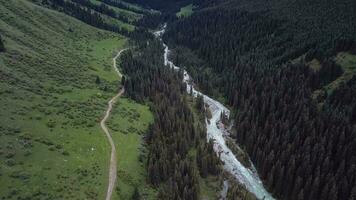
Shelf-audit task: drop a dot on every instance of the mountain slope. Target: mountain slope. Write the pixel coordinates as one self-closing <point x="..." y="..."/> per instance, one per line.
<point x="286" y="67"/>
<point x="56" y="77"/>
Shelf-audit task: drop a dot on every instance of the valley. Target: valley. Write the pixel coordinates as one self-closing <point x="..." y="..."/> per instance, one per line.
<point x="216" y="131"/>
<point x="177" y="99"/>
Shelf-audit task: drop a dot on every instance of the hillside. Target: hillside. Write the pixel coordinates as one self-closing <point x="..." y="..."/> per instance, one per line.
<point x="57" y="77"/>
<point x="111" y="15"/>
<point x="231" y="99"/>
<point x="287" y="69"/>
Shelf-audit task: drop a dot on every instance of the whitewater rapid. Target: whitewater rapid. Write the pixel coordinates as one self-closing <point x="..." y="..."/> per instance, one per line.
<point x="216" y="131"/>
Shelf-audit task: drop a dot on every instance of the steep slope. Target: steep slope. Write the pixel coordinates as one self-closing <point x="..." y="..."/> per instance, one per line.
<point x="56" y="77"/>
<point x="287" y="69"/>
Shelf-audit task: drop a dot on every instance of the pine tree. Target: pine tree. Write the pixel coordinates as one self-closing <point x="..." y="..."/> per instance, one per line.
<point x="2" y="46"/>
<point x="200" y="103"/>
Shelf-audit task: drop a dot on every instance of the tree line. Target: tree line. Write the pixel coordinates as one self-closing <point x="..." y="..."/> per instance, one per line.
<point x="125" y="6"/>
<point x="102" y="8"/>
<point x="85" y="14"/>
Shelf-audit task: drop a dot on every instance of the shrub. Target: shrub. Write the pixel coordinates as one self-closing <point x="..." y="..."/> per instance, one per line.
<point x="65" y="153"/>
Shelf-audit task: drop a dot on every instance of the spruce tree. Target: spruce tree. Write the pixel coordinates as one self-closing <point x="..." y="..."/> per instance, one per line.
<point x="2" y="46"/>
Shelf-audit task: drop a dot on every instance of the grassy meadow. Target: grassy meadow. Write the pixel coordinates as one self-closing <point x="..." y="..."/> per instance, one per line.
<point x="185" y="11"/>
<point x="128" y="124"/>
<point x="56" y="78"/>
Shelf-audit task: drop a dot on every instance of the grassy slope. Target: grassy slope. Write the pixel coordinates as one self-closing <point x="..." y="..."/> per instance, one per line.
<point x="128" y="123"/>
<point x="111" y="20"/>
<point x="50" y="140"/>
<point x="185" y="11"/>
<point x="347" y="62"/>
<point x="132" y="15"/>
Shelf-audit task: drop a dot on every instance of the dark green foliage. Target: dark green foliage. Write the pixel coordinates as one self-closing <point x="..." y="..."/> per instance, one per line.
<point x="86" y="14"/>
<point x="224" y="119"/>
<point x="122" y="5"/>
<point x="199" y="104"/>
<point x="329" y="72"/>
<point x="102" y="8"/>
<point x="301" y="150"/>
<point x="136" y="195"/>
<point x="2" y="46"/>
<point x="259" y="36"/>
<point x="173" y="132"/>
<point x="151" y="20"/>
<point x="296" y="148"/>
<point x="164" y="5"/>
<point x="97" y="80"/>
<point x="236" y="191"/>
<point x="341" y="104"/>
<point x="207" y="160"/>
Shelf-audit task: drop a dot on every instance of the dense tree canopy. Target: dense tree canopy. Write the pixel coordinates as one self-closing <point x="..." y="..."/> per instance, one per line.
<point x="88" y="14"/>
<point x="303" y="146"/>
<point x="175" y="130"/>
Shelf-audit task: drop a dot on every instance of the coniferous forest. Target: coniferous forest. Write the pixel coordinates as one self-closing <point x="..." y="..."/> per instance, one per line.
<point x="285" y="69"/>
<point x="175" y="131"/>
<point x="89" y="13"/>
<point x="294" y="102"/>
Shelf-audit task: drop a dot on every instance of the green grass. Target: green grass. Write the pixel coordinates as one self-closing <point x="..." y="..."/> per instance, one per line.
<point x="210" y="188"/>
<point x="51" y="145"/>
<point x="347" y="62"/>
<point x="185" y="11"/>
<point x="128" y="124"/>
<point x="315" y="65"/>
<point x="102" y="65"/>
<point x="114" y="21"/>
<point x="130" y="14"/>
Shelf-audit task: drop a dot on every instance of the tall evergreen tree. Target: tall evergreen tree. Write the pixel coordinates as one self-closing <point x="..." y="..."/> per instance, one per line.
<point x="2" y="46"/>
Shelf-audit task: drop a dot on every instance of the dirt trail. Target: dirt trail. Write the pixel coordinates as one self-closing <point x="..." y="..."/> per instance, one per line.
<point x="113" y="162"/>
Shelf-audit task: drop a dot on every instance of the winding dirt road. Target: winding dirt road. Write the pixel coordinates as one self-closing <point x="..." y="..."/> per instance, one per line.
<point x="113" y="162"/>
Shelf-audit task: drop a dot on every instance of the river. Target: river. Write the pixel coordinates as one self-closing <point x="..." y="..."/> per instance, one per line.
<point x="216" y="130"/>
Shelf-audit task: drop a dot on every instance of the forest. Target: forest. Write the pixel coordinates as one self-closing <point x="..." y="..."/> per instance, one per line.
<point x="123" y="5"/>
<point x="102" y="8"/>
<point x="175" y="131"/>
<point x="295" y="119"/>
<point x="166" y="6"/>
<point x="286" y="70"/>
<point x="87" y="15"/>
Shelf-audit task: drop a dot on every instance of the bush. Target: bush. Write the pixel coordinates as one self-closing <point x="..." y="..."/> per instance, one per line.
<point x="10" y="162"/>
<point x="65" y="153"/>
<point x="51" y="124"/>
<point x="27" y="152"/>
